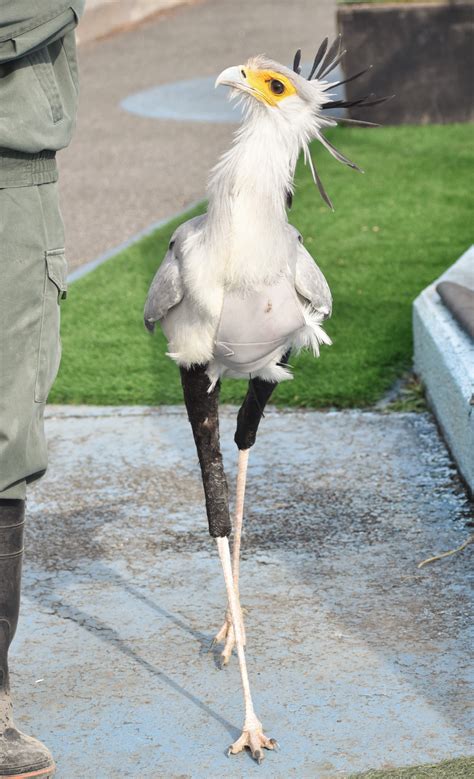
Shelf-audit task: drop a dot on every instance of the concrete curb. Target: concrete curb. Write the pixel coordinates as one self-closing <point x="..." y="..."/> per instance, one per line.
<point x="66" y="411"/>
<point x="103" y="17"/>
<point x="444" y="358"/>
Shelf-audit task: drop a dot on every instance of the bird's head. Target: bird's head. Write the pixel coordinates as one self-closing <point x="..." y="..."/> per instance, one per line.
<point x="298" y="105"/>
<point x="266" y="85"/>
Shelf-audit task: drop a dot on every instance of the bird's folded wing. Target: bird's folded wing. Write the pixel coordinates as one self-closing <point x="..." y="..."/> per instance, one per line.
<point x="311" y="284"/>
<point x="166" y="289"/>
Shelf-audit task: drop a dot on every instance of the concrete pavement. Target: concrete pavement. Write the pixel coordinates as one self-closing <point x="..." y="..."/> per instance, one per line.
<point x="105" y="17"/>
<point x="122" y="171"/>
<point x="357" y="658"/>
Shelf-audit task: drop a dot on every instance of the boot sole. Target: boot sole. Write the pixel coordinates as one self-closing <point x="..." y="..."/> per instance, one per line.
<point x="45" y="773"/>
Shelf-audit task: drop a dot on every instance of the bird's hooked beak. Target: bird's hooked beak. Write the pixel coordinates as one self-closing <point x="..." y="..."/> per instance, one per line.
<point x="240" y="78"/>
<point x="236" y="78"/>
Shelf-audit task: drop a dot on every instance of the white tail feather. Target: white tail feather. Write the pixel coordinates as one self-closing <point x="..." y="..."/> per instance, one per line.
<point x="274" y="373"/>
<point x="214" y="372"/>
<point x="312" y="335"/>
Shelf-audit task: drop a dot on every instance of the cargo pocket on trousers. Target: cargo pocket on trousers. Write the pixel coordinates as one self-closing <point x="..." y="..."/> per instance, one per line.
<point x="44" y="71"/>
<point x="49" y="353"/>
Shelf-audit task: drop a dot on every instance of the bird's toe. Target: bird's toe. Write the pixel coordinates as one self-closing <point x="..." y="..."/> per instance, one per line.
<point x="226" y="636"/>
<point x="256" y="741"/>
<point x="223" y="633"/>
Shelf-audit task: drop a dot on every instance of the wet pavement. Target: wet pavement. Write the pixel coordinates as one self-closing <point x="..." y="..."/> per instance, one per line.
<point x="124" y="171"/>
<point x="358" y="659"/>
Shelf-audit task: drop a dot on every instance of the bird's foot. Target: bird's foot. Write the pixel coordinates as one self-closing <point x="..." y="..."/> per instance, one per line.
<point x="226" y="636"/>
<point x="255" y="740"/>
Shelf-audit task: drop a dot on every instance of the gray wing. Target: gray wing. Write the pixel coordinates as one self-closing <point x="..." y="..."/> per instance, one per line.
<point x="311" y="284"/>
<point x="166" y="289"/>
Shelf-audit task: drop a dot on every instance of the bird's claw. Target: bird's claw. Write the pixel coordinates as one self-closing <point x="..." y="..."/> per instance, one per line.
<point x="226" y="636"/>
<point x="254" y="740"/>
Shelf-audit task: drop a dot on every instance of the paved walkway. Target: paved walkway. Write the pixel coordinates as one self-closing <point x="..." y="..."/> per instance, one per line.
<point x="357" y="658"/>
<point x="122" y="171"/>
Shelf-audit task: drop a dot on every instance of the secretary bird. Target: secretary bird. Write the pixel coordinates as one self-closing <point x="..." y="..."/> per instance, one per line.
<point x="237" y="292"/>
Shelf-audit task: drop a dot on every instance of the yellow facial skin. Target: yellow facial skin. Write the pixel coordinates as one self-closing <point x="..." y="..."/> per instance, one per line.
<point x="262" y="82"/>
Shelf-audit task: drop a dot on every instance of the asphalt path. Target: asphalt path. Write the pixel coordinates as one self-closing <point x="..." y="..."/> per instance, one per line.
<point x="125" y="171"/>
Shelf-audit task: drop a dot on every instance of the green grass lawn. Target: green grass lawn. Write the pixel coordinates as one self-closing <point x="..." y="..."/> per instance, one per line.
<point x="395" y="229"/>
<point x="462" y="768"/>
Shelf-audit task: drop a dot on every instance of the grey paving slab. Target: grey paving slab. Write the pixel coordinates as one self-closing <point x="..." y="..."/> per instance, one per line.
<point x="124" y="172"/>
<point x="357" y="658"/>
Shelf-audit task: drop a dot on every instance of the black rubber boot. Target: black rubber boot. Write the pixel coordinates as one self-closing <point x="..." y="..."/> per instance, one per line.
<point x="20" y="756"/>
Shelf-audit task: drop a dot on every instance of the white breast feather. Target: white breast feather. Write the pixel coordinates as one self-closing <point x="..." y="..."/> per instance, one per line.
<point x="244" y="243"/>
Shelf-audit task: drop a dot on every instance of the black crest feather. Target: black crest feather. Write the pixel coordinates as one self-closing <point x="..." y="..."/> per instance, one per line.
<point x="334" y="51"/>
<point x="325" y="61"/>
<point x="296" y="62"/>
<point x="319" y="55"/>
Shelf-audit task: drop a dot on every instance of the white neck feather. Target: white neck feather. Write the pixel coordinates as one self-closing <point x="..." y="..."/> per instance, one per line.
<point x="246" y="229"/>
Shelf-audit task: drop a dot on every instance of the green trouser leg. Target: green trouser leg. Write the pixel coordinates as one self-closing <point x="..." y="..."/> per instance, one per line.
<point x="32" y="283"/>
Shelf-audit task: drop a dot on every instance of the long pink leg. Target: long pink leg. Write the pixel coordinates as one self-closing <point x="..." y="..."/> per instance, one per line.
<point x="252" y="732"/>
<point x="226" y="633"/>
<point x="238" y="521"/>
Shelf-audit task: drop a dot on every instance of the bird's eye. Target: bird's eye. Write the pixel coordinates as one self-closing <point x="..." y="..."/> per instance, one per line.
<point x="277" y="87"/>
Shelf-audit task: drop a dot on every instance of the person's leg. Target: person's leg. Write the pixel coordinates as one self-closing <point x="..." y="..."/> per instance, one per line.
<point x="33" y="277"/>
<point x="32" y="281"/>
<point x="20" y="755"/>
